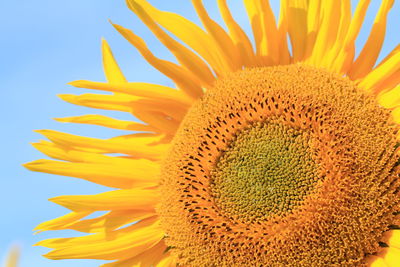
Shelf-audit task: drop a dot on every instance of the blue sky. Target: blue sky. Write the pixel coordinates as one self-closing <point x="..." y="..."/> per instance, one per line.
<point x="45" y="44"/>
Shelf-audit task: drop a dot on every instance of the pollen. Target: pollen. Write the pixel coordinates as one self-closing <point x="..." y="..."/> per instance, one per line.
<point x="285" y="165"/>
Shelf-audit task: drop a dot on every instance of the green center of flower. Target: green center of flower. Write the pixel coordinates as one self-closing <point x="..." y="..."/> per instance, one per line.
<point x="267" y="170"/>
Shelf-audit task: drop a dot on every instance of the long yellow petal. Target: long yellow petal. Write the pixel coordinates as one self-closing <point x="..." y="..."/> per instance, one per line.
<point x="189" y="33"/>
<point x="337" y="43"/>
<point x="327" y="32"/>
<point x="110" y="221"/>
<point x="163" y="115"/>
<point x="111" y="69"/>
<point x="185" y="56"/>
<point x="313" y="22"/>
<point x="108" y="122"/>
<point x="139" y="145"/>
<point x="246" y="53"/>
<point x="390" y="99"/>
<point x="133" y="105"/>
<point x="284" y="53"/>
<point x="296" y="13"/>
<point x="370" y="52"/>
<point x="127" y="103"/>
<point x="264" y="29"/>
<point x="67" y="153"/>
<point x="167" y="107"/>
<point x="388" y="84"/>
<point x="381" y="73"/>
<point x="391" y="81"/>
<point x="149" y="257"/>
<point x="107" y="102"/>
<point x="345" y="56"/>
<point x="223" y="41"/>
<point x="153" y="91"/>
<point x="115" y="176"/>
<point x="62" y="222"/>
<point x="182" y="77"/>
<point x="139" y="199"/>
<point x="390" y="55"/>
<point x="120" y="244"/>
<point x="157" y="119"/>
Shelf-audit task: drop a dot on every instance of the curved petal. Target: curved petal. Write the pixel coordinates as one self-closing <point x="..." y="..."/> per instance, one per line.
<point x="190" y="34"/>
<point x="184" y="55"/>
<point x="181" y="77"/>
<point x="123" y="243"/>
<point x="370" y="52"/>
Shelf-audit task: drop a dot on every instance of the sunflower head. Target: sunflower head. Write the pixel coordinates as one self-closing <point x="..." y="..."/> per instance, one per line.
<point x="264" y="170"/>
<point x="260" y="156"/>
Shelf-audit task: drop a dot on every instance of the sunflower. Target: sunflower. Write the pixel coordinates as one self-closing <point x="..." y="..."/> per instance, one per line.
<point x="273" y="155"/>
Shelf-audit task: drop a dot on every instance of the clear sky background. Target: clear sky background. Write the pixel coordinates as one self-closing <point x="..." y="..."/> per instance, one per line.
<point x="43" y="45"/>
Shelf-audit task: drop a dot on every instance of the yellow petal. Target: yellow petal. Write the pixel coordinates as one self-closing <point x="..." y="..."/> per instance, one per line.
<point x="370" y="52"/>
<point x="61" y="222"/>
<point x="149" y="257"/>
<point x="108" y="122"/>
<point x="134" y="199"/>
<point x="391" y="256"/>
<point x="137" y="106"/>
<point x="167" y="107"/>
<point x="157" y="119"/>
<point x="138" y="89"/>
<point x="139" y="145"/>
<point x="396" y="115"/>
<point x="182" y="77"/>
<point x="381" y="73"/>
<point x="186" y="57"/>
<point x="264" y="29"/>
<point x="168" y="261"/>
<point x="134" y="105"/>
<point x="296" y="14"/>
<point x="327" y="32"/>
<point x="163" y="115"/>
<point x="346" y="54"/>
<point x="389" y="83"/>
<point x="109" y="221"/>
<point x="120" y="244"/>
<point x="392" y="53"/>
<point x="392" y="80"/>
<point x="69" y="154"/>
<point x="374" y="261"/>
<point x="189" y="33"/>
<point x="111" y="69"/>
<point x="246" y="54"/>
<point x="392" y="238"/>
<point x="108" y="102"/>
<point x="390" y="99"/>
<point x="223" y="41"/>
<point x="116" y="176"/>
<point x="343" y="26"/>
<point x="284" y="54"/>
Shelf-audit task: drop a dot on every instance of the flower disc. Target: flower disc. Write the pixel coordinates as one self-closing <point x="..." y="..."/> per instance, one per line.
<point x="266" y="170"/>
<point x="280" y="165"/>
